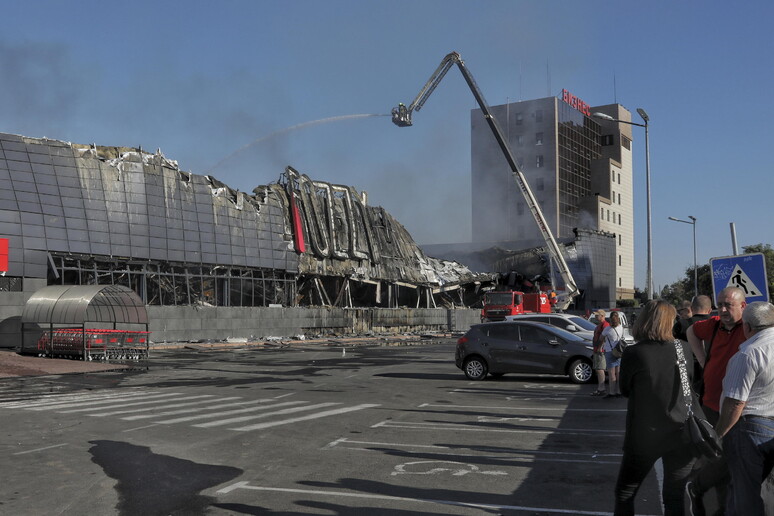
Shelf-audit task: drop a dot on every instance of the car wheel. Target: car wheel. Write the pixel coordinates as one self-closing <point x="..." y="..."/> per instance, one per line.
<point x="580" y="371"/>
<point x="475" y="368"/>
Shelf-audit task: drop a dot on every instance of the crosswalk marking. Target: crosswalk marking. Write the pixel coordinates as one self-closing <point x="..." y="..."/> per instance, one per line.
<point x="184" y="398"/>
<point x="65" y="398"/>
<point x="317" y="415"/>
<point x="223" y="422"/>
<point x="171" y="405"/>
<point x="195" y="409"/>
<point x="201" y="410"/>
<point x="109" y="403"/>
<point x="227" y="413"/>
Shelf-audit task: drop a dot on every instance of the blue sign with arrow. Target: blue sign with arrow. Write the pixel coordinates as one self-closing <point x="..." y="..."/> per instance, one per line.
<point x="746" y="271"/>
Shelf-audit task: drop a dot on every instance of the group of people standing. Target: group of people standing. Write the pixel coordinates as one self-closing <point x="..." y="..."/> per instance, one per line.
<point x="733" y="379"/>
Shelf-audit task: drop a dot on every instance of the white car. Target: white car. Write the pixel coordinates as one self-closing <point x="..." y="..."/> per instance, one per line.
<point x="568" y="322"/>
<point x="627" y="337"/>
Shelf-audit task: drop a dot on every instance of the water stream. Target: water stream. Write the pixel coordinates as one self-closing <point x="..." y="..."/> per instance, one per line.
<point x="287" y="130"/>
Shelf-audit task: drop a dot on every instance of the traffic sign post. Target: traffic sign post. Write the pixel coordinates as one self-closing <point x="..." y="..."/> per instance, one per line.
<point x="746" y="271"/>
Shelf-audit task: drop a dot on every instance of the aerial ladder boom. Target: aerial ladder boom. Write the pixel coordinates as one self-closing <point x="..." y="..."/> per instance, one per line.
<point x="401" y="116"/>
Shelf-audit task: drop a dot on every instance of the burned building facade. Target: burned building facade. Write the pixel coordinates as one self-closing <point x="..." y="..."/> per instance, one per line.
<point x="194" y="248"/>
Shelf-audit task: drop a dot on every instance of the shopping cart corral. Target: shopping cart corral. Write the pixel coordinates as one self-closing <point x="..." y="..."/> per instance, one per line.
<point x="96" y="322"/>
<point x="94" y="344"/>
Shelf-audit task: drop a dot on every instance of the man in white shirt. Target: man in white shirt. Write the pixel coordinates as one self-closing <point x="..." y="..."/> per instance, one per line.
<point x="746" y="420"/>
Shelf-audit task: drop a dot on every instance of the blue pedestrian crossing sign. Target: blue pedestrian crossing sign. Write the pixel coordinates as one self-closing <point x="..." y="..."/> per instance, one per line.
<point x="746" y="271"/>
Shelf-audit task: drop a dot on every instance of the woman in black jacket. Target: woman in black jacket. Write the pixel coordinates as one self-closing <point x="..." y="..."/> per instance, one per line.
<point x="656" y="411"/>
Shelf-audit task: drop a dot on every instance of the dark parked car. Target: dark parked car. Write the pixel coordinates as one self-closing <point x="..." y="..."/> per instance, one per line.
<point x="498" y="348"/>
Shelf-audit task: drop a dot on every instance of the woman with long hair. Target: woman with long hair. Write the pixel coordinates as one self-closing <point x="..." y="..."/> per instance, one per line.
<point x="656" y="411"/>
<point x="610" y="337"/>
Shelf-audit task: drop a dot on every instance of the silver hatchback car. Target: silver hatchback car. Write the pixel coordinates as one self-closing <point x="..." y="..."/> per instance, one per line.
<point x="497" y="348"/>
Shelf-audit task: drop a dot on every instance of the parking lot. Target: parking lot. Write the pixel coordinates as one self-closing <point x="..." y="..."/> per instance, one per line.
<point x="311" y="430"/>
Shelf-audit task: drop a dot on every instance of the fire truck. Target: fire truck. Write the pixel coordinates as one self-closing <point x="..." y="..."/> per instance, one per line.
<point x="519" y="302"/>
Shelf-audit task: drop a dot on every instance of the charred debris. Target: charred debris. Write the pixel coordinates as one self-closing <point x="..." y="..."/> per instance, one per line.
<point x="327" y="246"/>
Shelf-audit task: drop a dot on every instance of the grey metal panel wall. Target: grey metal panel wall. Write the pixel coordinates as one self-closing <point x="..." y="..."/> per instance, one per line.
<point x="66" y="200"/>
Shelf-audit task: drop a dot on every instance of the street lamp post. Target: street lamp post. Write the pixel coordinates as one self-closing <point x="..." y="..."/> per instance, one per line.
<point x="692" y="222"/>
<point x="646" y="119"/>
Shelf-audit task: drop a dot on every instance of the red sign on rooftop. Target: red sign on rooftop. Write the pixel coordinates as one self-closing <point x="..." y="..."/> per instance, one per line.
<point x="576" y="102"/>
<point x="3" y="255"/>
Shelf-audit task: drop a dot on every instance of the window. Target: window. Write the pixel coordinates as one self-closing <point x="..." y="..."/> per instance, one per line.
<point x="620" y="261"/>
<point x="619" y="219"/>
<point x="539" y="161"/>
<point x="626" y="142"/>
<point x="519" y="139"/>
<point x="519" y="118"/>
<point x="538" y="115"/>
<point x="619" y="178"/>
<point x="606" y="139"/>
<point x="619" y="239"/>
<point x="538" y="138"/>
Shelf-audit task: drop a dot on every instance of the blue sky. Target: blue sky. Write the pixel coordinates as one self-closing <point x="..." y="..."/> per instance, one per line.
<point x="202" y="80"/>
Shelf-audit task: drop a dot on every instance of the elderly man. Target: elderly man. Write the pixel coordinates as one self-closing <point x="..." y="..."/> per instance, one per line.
<point x="722" y="335"/>
<point x="747" y="412"/>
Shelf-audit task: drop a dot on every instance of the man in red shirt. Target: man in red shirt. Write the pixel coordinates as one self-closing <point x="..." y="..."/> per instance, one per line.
<point x="722" y="336"/>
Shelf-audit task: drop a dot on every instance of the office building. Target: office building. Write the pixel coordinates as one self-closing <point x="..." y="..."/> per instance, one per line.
<point x="578" y="167"/>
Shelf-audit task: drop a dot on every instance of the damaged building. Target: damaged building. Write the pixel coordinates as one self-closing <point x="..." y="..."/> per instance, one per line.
<point x="210" y="262"/>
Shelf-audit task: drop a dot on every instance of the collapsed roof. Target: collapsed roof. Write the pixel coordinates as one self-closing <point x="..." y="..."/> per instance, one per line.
<point x="127" y="204"/>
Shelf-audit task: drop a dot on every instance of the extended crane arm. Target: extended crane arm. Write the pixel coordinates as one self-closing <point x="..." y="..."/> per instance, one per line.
<point x="401" y="116"/>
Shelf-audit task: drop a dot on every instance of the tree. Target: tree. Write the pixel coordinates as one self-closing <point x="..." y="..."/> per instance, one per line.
<point x="683" y="289"/>
<point x="768" y="257"/>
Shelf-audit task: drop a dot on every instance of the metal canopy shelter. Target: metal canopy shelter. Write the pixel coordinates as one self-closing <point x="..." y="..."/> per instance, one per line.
<point x="76" y="306"/>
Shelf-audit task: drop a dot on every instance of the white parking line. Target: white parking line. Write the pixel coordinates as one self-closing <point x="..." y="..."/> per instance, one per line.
<point x="454" y="427"/>
<point x="512" y="454"/>
<point x="39" y="449"/>
<point x="371" y="496"/>
<point x="511" y="408"/>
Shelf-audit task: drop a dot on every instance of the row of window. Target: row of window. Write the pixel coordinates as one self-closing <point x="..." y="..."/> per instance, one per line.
<point x="170" y="285"/>
<point x="602" y="212"/>
<point x="519" y="117"/>
<point x="607" y="139"/>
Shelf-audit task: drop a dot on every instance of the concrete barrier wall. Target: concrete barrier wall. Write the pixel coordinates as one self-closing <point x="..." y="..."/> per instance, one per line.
<point x="181" y="324"/>
<point x="11" y="308"/>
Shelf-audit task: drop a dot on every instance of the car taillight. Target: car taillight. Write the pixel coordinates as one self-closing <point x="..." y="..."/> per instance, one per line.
<point x="462" y="340"/>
